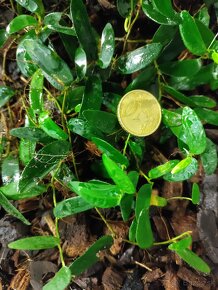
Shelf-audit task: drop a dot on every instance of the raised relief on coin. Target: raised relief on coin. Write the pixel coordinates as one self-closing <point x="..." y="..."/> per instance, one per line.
<point x="139" y="113"/>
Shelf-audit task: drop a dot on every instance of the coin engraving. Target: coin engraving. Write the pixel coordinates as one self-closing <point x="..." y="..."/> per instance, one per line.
<point x="139" y="113"/>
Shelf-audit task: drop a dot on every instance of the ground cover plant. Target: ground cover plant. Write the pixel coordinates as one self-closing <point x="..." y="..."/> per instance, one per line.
<point x="64" y="153"/>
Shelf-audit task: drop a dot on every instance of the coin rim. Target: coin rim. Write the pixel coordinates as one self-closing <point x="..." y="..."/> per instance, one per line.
<point x="120" y="120"/>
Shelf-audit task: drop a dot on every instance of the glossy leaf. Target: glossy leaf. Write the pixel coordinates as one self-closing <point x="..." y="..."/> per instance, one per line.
<point x="193" y="41"/>
<point x="137" y="149"/>
<point x="164" y="34"/>
<point x="181" y="68"/>
<point x="99" y="194"/>
<point x="90" y="257"/>
<point x="104" y="121"/>
<point x="52" y="22"/>
<point x="204" y="16"/>
<point x="171" y="118"/>
<point x="26" y="150"/>
<point x="83" y="28"/>
<point x="163" y="169"/>
<point x="32" y="5"/>
<point x="143" y="199"/>
<point x="110" y="151"/>
<point x="5" y="94"/>
<point x="36" y="91"/>
<point x="194" y="131"/>
<point x="10" y="169"/>
<point x="193" y="260"/>
<point x="3" y="37"/>
<point x="71" y="98"/>
<point x="48" y="60"/>
<point x="182" y="244"/>
<point x="84" y="129"/>
<point x="81" y="63"/>
<point x="43" y="162"/>
<point x="152" y="13"/>
<point x="209" y="158"/>
<point x="31" y="134"/>
<point x="132" y="230"/>
<point x="60" y="281"/>
<point x="126" y="203"/>
<point x="10" y="209"/>
<point x="50" y="127"/>
<point x="24" y="61"/>
<point x="11" y="191"/>
<point x="144" y="234"/>
<point x="165" y="8"/>
<point x="119" y="177"/>
<point x="208" y="116"/>
<point x="71" y="206"/>
<point x="206" y="33"/>
<point x="92" y="97"/>
<point x="124" y="7"/>
<point x="35" y="243"/>
<point x="195" y="193"/>
<point x="203" y="101"/>
<point x="107" y="46"/>
<point x="139" y="58"/>
<point x="157" y="200"/>
<point x="179" y="96"/>
<point x="184" y="174"/>
<point x="182" y="165"/>
<point x="20" y="22"/>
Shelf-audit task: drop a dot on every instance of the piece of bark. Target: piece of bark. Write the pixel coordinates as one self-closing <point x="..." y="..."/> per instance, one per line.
<point x="160" y="224"/>
<point x="21" y="280"/>
<point x="152" y="276"/>
<point x="112" y="279"/>
<point x="192" y="278"/>
<point x="172" y="189"/>
<point x="170" y="281"/>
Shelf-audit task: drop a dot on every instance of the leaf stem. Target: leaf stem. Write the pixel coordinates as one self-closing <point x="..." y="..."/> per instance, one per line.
<point x="126" y="144"/>
<point x="173" y="239"/>
<point x="106" y="223"/>
<point x="146" y="177"/>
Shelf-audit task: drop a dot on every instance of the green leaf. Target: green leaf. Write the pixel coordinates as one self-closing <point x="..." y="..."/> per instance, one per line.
<point x="124" y="7"/>
<point x="144" y="235"/>
<point x="3" y="37"/>
<point x="31" y="134"/>
<point x="143" y="199"/>
<point x="194" y="131"/>
<point x="52" y="22"/>
<point x="35" y="243"/>
<point x="84" y="129"/>
<point x="181" y="166"/>
<point x="50" y="127"/>
<point x="191" y="35"/>
<point x="60" y="281"/>
<point x="26" y="150"/>
<point x="83" y="28"/>
<point x="166" y="9"/>
<point x="81" y="63"/>
<point x="110" y="151"/>
<point x="11" y="191"/>
<point x="71" y="206"/>
<point x="90" y="257"/>
<point x="104" y="121"/>
<point x="152" y="13"/>
<point x="107" y="46"/>
<point x="36" y="92"/>
<point x="137" y="149"/>
<point x="119" y="177"/>
<point x="126" y="203"/>
<point x="10" y="170"/>
<point x="20" y="22"/>
<point x="32" y="5"/>
<point x="206" y="33"/>
<point x="165" y="34"/>
<point x="5" y="94"/>
<point x="43" y="162"/>
<point x="171" y="118"/>
<point x="182" y="244"/>
<point x="184" y="174"/>
<point x="208" y="116"/>
<point x="203" y="101"/>
<point x="92" y="97"/>
<point x="138" y="59"/>
<point x="163" y="169"/>
<point x="188" y="67"/>
<point x="209" y="158"/>
<point x="195" y="193"/>
<point x="193" y="260"/>
<point x="9" y="208"/>
<point x="204" y="16"/>
<point x="71" y="98"/>
<point x="53" y="67"/>
<point x="158" y="201"/>
<point x="132" y="230"/>
<point x="179" y="96"/>
<point x="99" y="194"/>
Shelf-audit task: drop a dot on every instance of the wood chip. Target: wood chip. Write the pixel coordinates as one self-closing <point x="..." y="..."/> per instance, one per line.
<point x="192" y="278"/>
<point x="172" y="189"/>
<point x="112" y="279"/>
<point x="20" y="281"/>
<point x="149" y="277"/>
<point x="170" y="281"/>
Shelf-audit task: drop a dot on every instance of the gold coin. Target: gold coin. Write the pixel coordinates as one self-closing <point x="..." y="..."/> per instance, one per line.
<point x="139" y="113"/>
